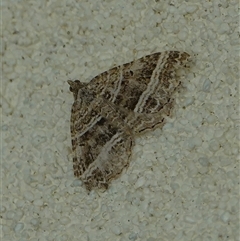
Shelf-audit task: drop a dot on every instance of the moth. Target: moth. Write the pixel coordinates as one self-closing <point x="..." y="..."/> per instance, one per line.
<point x="115" y="107"/>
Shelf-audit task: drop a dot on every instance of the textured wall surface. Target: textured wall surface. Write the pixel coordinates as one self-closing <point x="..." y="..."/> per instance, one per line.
<point x="182" y="183"/>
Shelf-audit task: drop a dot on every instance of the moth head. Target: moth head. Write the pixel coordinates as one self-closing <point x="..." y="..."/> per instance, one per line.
<point x="74" y="87"/>
<point x="80" y="91"/>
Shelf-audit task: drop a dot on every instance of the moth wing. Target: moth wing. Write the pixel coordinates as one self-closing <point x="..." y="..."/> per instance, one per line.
<point x="101" y="143"/>
<point x="145" y="85"/>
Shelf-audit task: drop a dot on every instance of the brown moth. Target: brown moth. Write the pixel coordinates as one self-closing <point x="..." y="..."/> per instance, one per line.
<point x="116" y="106"/>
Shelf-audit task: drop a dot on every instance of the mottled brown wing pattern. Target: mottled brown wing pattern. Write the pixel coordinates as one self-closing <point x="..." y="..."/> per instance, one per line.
<point x="144" y="85"/>
<point x="101" y="141"/>
<point x="116" y="105"/>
